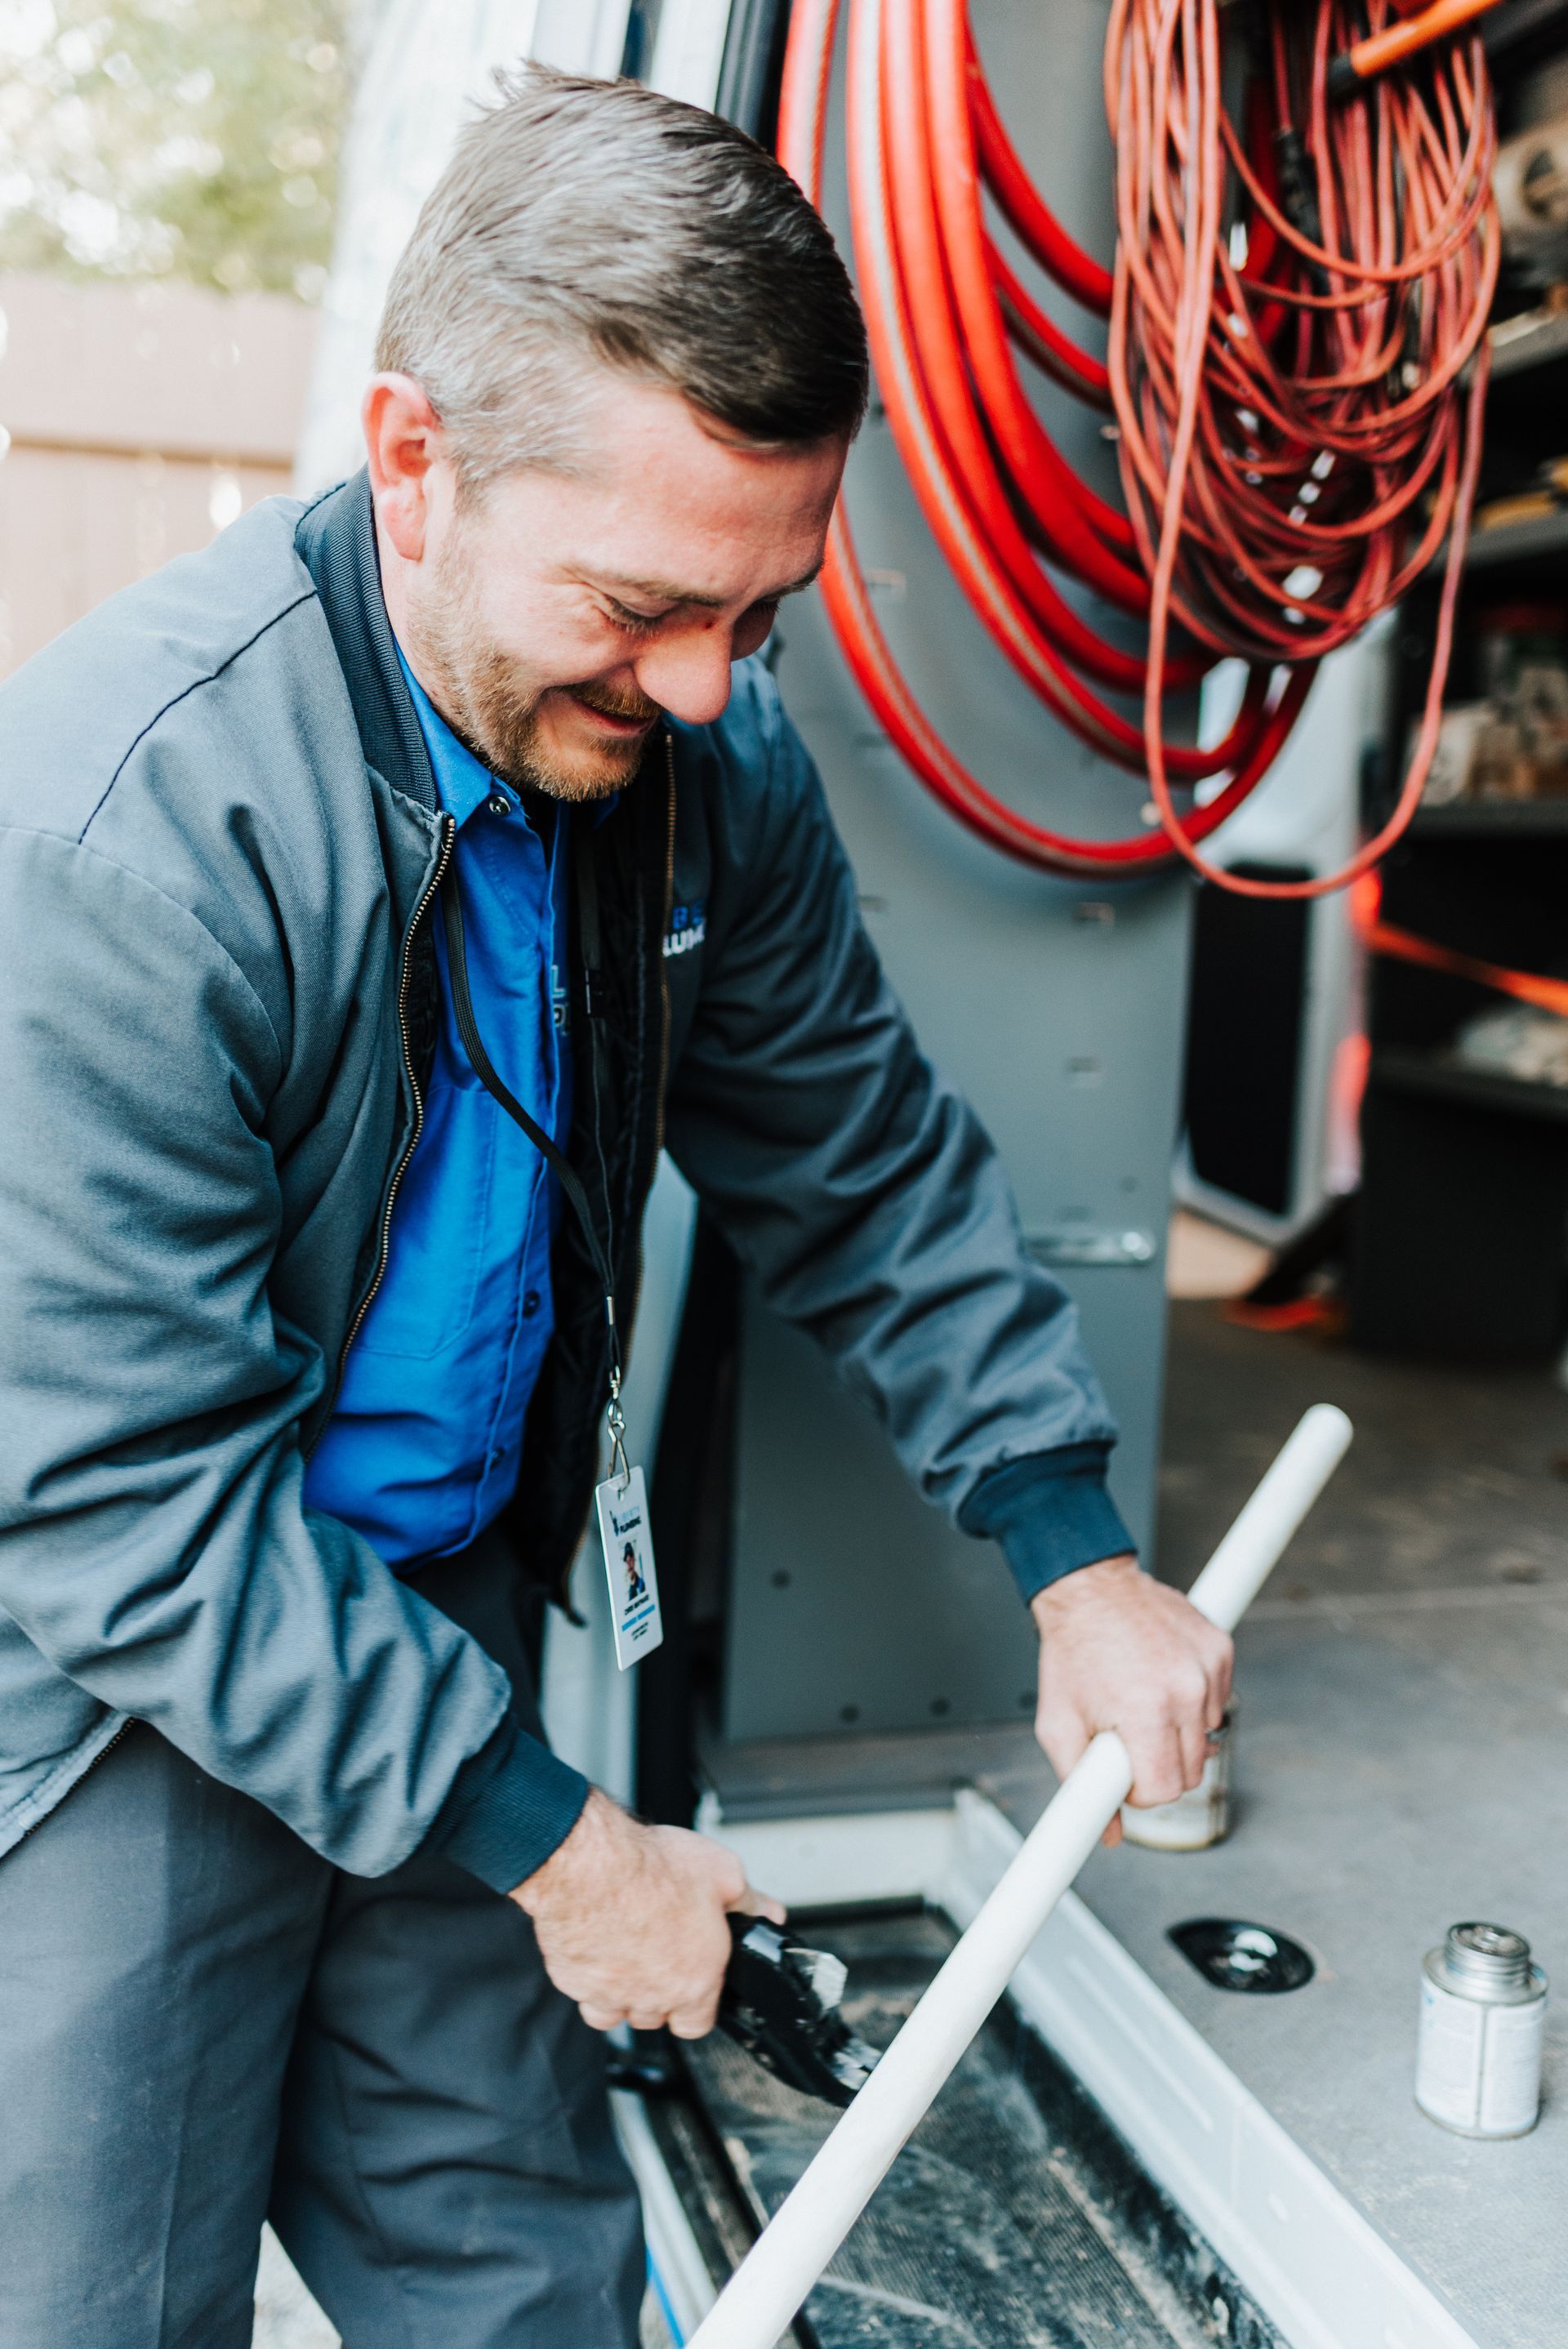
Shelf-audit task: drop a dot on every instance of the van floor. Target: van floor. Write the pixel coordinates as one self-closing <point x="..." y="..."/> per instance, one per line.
<point x="1401" y="1763"/>
<point x="1013" y="2220"/>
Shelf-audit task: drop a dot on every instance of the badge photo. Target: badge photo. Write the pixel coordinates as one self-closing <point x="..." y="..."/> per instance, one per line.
<point x="622" y="1504"/>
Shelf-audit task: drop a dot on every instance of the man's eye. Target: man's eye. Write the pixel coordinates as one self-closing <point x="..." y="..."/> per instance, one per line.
<point x="637" y="623"/>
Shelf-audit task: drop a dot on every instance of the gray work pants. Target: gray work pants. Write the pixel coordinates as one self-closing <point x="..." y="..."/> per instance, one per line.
<point x="203" y="2024"/>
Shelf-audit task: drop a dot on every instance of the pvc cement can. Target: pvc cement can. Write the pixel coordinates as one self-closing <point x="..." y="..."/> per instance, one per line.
<point x="1478" y="2064"/>
<point x="1193" y="1820"/>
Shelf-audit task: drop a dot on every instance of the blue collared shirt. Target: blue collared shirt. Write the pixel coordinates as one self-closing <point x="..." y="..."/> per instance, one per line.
<point x="422" y="1449"/>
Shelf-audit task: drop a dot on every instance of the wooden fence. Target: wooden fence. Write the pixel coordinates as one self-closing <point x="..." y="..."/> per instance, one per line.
<point x="140" y="419"/>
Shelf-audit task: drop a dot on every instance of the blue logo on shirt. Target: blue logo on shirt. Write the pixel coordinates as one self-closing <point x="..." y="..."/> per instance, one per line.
<point x="689" y="927"/>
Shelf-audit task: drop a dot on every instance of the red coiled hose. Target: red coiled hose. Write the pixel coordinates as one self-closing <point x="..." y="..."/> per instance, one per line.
<point x="1280" y="417"/>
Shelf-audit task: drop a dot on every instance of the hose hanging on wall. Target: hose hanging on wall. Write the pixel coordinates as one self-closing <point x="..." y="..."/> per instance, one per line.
<point x="1286" y="341"/>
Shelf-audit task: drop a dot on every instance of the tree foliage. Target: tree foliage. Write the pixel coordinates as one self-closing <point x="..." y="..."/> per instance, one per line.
<point x="193" y="139"/>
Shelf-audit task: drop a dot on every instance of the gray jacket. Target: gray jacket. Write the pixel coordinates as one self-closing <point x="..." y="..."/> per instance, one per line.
<point x="212" y="877"/>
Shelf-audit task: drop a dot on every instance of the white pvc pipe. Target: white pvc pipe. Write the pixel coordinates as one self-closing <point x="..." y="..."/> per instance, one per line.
<point x="792" y="2252"/>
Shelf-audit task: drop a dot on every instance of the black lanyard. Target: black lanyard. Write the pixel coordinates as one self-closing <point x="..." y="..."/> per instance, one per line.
<point x="485" y="1069"/>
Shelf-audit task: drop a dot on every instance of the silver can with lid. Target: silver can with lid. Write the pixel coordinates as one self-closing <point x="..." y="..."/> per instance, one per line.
<point x="1483" y="2004"/>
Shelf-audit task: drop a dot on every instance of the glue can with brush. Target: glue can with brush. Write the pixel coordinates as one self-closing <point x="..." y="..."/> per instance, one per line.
<point x="1483" y="2004"/>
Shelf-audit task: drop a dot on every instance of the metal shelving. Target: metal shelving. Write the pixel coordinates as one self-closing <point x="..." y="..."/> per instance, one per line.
<point x="1532" y="340"/>
<point x="1491" y="820"/>
<point x="1440" y="1077"/>
<point x="1520" y="542"/>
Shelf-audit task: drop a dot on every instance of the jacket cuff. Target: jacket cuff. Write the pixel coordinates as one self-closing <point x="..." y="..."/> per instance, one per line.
<point x="1051" y="1514"/>
<point x="509" y="1807"/>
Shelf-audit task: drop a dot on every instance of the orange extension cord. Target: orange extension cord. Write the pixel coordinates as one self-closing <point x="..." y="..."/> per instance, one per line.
<point x="1294" y="441"/>
<point x="1381" y="937"/>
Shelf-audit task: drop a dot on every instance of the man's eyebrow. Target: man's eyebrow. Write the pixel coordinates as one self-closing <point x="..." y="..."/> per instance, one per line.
<point x="661" y="591"/>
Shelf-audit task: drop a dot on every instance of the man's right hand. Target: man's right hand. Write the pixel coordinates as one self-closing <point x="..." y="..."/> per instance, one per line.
<point x="631" y="1920"/>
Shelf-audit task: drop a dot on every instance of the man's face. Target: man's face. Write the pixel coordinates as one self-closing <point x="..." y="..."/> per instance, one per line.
<point x="554" y="620"/>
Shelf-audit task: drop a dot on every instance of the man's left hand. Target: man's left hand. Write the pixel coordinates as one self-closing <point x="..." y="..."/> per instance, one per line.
<point x="1119" y="1651"/>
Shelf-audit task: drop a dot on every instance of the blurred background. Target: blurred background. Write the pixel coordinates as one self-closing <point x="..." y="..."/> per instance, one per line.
<point x="167" y="177"/>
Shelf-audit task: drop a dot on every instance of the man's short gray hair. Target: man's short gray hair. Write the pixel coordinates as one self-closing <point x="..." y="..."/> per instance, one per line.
<point x="589" y="223"/>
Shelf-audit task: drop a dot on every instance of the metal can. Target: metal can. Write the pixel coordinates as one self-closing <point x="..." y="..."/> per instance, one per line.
<point x="1483" y="2004"/>
<point x="1196" y="1819"/>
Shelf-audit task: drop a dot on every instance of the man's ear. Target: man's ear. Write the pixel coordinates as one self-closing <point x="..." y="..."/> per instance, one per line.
<point x="403" y="441"/>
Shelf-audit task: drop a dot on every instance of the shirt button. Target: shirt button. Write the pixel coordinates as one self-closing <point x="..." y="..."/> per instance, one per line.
<point x="530" y="1304"/>
<point x="499" y="804"/>
<point x="496" y="1457"/>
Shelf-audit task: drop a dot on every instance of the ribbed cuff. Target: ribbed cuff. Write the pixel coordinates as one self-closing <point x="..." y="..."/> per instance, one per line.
<point x="1051" y="1514"/>
<point x="509" y="1807"/>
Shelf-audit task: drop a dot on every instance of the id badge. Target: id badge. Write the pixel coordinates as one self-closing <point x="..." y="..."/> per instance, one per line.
<point x="622" y="1504"/>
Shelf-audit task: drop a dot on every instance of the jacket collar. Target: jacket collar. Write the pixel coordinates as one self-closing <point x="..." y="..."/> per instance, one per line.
<point x="335" y="539"/>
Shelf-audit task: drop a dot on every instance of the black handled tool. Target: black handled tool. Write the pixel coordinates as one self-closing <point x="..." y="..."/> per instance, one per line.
<point x="781" y="2002"/>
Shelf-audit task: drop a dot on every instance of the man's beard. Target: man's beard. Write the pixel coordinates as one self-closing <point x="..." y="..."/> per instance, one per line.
<point x="475" y="683"/>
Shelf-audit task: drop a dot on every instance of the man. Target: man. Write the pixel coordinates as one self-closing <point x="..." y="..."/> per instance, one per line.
<point x="337" y="870"/>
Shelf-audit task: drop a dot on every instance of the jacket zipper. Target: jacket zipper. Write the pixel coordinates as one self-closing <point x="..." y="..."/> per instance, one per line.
<point x="448" y="833"/>
<point x="103" y="1751"/>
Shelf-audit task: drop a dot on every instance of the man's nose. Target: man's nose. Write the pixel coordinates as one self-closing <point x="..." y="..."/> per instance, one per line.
<point x="688" y="674"/>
